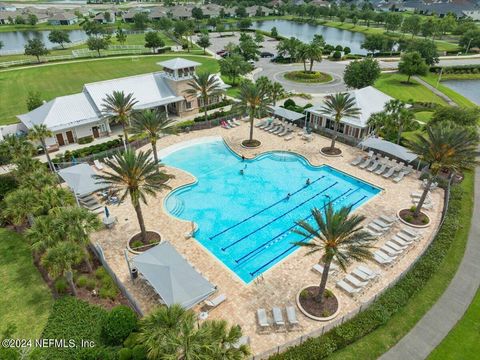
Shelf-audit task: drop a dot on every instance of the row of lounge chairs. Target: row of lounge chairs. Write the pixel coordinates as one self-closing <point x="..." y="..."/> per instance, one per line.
<point x="400" y="242"/>
<point x="276" y="127"/>
<point x="357" y="280"/>
<point x="380" y="225"/>
<point x="91" y="203"/>
<point x="427" y="204"/>
<point x="383" y="166"/>
<point x="277" y="318"/>
<point x="229" y="124"/>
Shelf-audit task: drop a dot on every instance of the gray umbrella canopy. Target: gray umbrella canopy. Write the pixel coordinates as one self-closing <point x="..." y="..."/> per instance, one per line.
<point x="80" y="179"/>
<point x="173" y="278"/>
<point x="388" y="147"/>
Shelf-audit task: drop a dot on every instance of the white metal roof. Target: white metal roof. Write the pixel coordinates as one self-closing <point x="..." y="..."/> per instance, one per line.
<point x="178" y="63"/>
<point x="81" y="179"/>
<point x="368" y="99"/>
<point x="287" y="114"/>
<point x="62" y="112"/>
<point x="388" y="147"/>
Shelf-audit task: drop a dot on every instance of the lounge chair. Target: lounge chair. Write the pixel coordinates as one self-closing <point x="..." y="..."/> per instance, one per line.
<point x="374" y="233"/>
<point x="261" y="123"/>
<point x="382" y="168"/>
<point x="231" y="123"/>
<point x="269" y="126"/>
<point x="266" y="124"/>
<point x="382" y="224"/>
<point x="405" y="237"/>
<point x="216" y="301"/>
<point x="399" y="177"/>
<point x="284" y="132"/>
<point x="357" y="160"/>
<point x="355" y="282"/>
<point x="382" y="258"/>
<point x="366" y="270"/>
<point x="376" y="228"/>
<point x="278" y="316"/>
<point x="275" y="128"/>
<point x="410" y="232"/>
<point x="361" y="275"/>
<point x="262" y="319"/>
<point x="390" y="251"/>
<point x="280" y="129"/>
<point x="400" y="241"/>
<point x="291" y="315"/>
<point x="373" y="166"/>
<point x="365" y="163"/>
<point x="288" y="138"/>
<point x="348" y="288"/>
<point x="98" y="165"/>
<point x="224" y="125"/>
<point x="388" y="219"/>
<point x="396" y="246"/>
<point x="234" y="120"/>
<point x="389" y="172"/>
<point x="319" y="268"/>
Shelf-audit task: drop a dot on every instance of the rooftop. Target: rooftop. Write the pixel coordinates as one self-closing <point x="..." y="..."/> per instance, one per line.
<point x="178" y="63"/>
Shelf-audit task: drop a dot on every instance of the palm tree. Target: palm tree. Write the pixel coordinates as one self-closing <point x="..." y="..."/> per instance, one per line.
<point x="444" y="147"/>
<point x="338" y="236"/>
<point x="38" y="178"/>
<point x="171" y="332"/>
<point x="135" y="175"/>
<point x="338" y="106"/>
<point x="276" y="91"/>
<point x="117" y="107"/>
<point x="21" y="205"/>
<point x="314" y="53"/>
<point x="53" y="197"/>
<point x="12" y="147"/>
<point x="253" y="101"/>
<point x="399" y="116"/>
<point x="43" y="235"/>
<point x="153" y="123"/>
<point x="204" y="85"/>
<point x="60" y="259"/>
<point x="41" y="133"/>
<point x="303" y="55"/>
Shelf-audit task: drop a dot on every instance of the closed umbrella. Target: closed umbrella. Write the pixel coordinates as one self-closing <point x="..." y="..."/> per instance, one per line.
<point x="107" y="212"/>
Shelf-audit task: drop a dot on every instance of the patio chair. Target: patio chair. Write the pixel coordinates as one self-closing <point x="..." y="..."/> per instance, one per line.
<point x="382" y="224"/>
<point x="355" y="282"/>
<point x="288" y="138"/>
<point x="373" y="166"/>
<point x="98" y="165"/>
<point x="278" y="316"/>
<point x="365" y="163"/>
<point x="216" y="301"/>
<point x="382" y="258"/>
<point x="388" y="219"/>
<point x="350" y="290"/>
<point x="284" y="132"/>
<point x="230" y="122"/>
<point x="390" y="251"/>
<point x="361" y="275"/>
<point x="266" y="124"/>
<point x="319" y="268"/>
<point x="382" y="168"/>
<point x="396" y="246"/>
<point x="261" y="123"/>
<point x="357" y="160"/>
<point x="262" y="319"/>
<point x="376" y="228"/>
<point x="399" y="177"/>
<point x="291" y="315"/>
<point x="234" y="120"/>
<point x="389" y="172"/>
<point x="402" y="242"/>
<point x="280" y="129"/>
<point x="404" y="237"/>
<point x="412" y="233"/>
<point x="366" y="270"/>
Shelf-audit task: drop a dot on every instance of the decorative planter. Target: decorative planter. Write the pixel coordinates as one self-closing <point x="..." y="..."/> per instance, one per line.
<point x="329" y="155"/>
<point x="313" y="317"/>
<point x="413" y="225"/>
<point x="136" y="252"/>
<point x="251" y="147"/>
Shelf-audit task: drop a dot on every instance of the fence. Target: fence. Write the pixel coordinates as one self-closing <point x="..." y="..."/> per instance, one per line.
<point x="346" y="139"/>
<point x="324" y="329"/>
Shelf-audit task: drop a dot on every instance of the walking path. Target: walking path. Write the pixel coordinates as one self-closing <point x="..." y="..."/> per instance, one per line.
<point x="436" y="91"/>
<point x="450" y="308"/>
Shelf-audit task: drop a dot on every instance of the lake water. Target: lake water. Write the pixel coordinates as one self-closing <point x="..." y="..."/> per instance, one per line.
<point x="16" y="40"/>
<point x="468" y="88"/>
<point x="305" y="32"/>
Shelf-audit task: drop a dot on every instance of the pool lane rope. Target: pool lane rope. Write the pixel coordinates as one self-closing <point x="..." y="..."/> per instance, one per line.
<point x="265" y="209"/>
<point x="279" y="217"/>
<point x="291" y="247"/>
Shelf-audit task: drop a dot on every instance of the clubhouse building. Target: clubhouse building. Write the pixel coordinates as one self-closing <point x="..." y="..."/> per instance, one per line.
<point x="77" y="116"/>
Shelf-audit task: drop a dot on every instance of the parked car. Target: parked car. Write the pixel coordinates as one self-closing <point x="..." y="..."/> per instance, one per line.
<point x="221" y="52"/>
<point x="225" y="54"/>
<point x="266" y="54"/>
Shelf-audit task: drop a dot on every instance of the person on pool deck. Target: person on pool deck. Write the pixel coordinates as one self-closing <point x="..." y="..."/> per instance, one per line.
<point x="307" y="182"/>
<point x="243" y="157"/>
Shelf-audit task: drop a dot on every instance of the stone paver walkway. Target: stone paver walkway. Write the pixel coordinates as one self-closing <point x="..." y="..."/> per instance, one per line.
<point x="436" y="91"/>
<point x="444" y="315"/>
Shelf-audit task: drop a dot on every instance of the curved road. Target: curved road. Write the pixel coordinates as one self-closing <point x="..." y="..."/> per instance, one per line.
<point x="450" y="308"/>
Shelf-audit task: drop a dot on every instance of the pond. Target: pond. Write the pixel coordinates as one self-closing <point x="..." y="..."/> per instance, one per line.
<point x="468" y="88"/>
<point x="16" y="40"/>
<point x="305" y="32"/>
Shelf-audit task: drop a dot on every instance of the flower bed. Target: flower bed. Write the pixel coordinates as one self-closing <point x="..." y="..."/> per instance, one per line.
<point x="308" y="76"/>
<point x="311" y="307"/>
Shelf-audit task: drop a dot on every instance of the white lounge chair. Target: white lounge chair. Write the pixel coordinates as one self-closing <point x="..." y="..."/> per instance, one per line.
<point x="234" y="120"/>
<point x="291" y="315"/>
<point x="357" y="160"/>
<point x="366" y="270"/>
<point x="382" y="258"/>
<point x="388" y="219"/>
<point x="365" y="163"/>
<point x="355" y="282"/>
<point x="389" y="172"/>
<point x="278" y="317"/>
<point x="396" y="246"/>
<point x="348" y="288"/>
<point x="361" y="275"/>
<point x="216" y="301"/>
<point x="319" y="268"/>
<point x="390" y="251"/>
<point x="262" y="319"/>
<point x="288" y="138"/>
<point x="98" y="165"/>
<point x="382" y="224"/>
<point x="261" y="123"/>
<point x="280" y="129"/>
<point x="373" y="166"/>
<point x="376" y="228"/>
<point x="399" y="177"/>
<point x="382" y="168"/>
<point x="410" y="232"/>
<point x="400" y="241"/>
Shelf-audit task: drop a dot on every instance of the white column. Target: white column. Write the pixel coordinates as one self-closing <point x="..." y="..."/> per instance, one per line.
<point x="166" y="111"/>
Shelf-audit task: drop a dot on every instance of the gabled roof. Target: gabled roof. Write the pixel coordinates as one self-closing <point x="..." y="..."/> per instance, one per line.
<point x="61" y="113"/>
<point x="149" y="90"/>
<point x="287" y="114"/>
<point x="63" y="16"/>
<point x="80" y="179"/>
<point x="178" y="63"/>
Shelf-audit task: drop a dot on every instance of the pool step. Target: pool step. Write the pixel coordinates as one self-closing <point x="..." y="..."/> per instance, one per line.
<point x="283" y="157"/>
<point x="176" y="205"/>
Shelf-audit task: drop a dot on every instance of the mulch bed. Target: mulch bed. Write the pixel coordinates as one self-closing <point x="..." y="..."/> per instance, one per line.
<point x="251" y="143"/>
<point x="152" y="240"/>
<point x="407" y="215"/>
<point x="310" y="304"/>
<point x="329" y="151"/>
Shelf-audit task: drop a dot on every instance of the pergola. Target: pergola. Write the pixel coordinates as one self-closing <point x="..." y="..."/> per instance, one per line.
<point x="80" y="179"/>
<point x="389" y="148"/>
<point x="286" y="114"/>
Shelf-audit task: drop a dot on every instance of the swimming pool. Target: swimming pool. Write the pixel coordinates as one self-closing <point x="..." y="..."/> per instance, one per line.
<point x="246" y="220"/>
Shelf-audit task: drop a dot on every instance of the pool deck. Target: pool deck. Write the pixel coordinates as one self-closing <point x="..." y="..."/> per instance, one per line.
<point x="280" y="284"/>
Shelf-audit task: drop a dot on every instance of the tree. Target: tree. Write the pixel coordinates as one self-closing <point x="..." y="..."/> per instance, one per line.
<point x="97" y="43"/>
<point x="121" y="35"/>
<point x="314" y="53"/>
<point x="153" y="123"/>
<point x="117" y="107"/>
<point x="253" y="101"/>
<point x="412" y="24"/>
<point x="318" y="40"/>
<point x="92" y="28"/>
<point x="36" y="47"/>
<point x="19" y="20"/>
<point x="60" y="259"/>
<point x="393" y="21"/>
<point x="172" y="332"/>
<point x="233" y="66"/>
<point x="374" y="42"/>
<point x="470" y="39"/>
<point x="459" y="115"/>
<point x="338" y="106"/>
<point x="338" y="236"/>
<point x="360" y="74"/>
<point x="241" y="12"/>
<point x="197" y="13"/>
<point x="59" y="37"/>
<point x="135" y="175"/>
<point x="164" y="24"/>
<point x="443" y="147"/>
<point x="32" y="19"/>
<point x="399" y="116"/>
<point x="20" y="205"/>
<point x="248" y="48"/>
<point x="204" y="85"/>
<point x="179" y="29"/>
<point x="411" y="63"/>
<point x="289" y="46"/>
<point x="140" y="21"/>
<point x="204" y="42"/>
<point x="153" y="40"/>
<point x="34" y="100"/>
<point x="13" y="147"/>
<point x="274" y="32"/>
<point x="426" y="48"/>
<point x="245" y="23"/>
<point x="276" y="90"/>
<point x="259" y="38"/>
<point x="40" y="132"/>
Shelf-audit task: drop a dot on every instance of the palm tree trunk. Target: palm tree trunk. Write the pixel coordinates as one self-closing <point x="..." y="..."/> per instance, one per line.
<point x="154" y="149"/>
<point x="125" y="133"/>
<point x="251" y="127"/>
<point x="50" y="164"/>
<point x="323" y="281"/>
<point x="69" y="277"/>
<point x="334" y="136"/>
<point x="205" y="104"/>
<point x="418" y="208"/>
<point x="399" y="136"/>
<point x="311" y="65"/>
<point x="87" y="260"/>
<point x="408" y="79"/>
<point x="304" y="66"/>
<point x="141" y="222"/>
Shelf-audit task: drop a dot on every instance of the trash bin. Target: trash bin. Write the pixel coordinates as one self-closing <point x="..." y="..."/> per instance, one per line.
<point x="134" y="273"/>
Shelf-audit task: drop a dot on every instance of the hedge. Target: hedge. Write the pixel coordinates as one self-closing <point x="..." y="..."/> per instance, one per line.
<point x="392" y="300"/>
<point x="458" y="69"/>
<point x="87" y="151"/>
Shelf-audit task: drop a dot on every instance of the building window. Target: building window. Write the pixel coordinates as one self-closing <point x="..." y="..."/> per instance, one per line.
<point x="188" y="105"/>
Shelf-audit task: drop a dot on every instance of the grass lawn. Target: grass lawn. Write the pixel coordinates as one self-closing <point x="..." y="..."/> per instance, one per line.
<point x="463" y="341"/>
<point x="26" y="300"/>
<point x="393" y="84"/>
<point x="63" y="79"/>
<point x="383" y="338"/>
<point x="424" y="116"/>
<point x="432" y="79"/>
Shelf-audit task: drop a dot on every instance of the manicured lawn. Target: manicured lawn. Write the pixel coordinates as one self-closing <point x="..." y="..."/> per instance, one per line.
<point x="25" y="299"/>
<point x="463" y="342"/>
<point x="394" y="84"/>
<point x="432" y="79"/>
<point x="383" y="338"/>
<point x="424" y="116"/>
<point x="69" y="78"/>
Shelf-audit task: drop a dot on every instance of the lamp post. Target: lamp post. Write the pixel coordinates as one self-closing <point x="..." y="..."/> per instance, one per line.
<point x="123" y="141"/>
<point x="468" y="46"/>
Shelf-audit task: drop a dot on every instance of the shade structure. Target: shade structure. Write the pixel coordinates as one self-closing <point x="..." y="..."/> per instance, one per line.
<point x="80" y="178"/>
<point x="388" y="147"/>
<point x="172" y="277"/>
<point x="286" y="114"/>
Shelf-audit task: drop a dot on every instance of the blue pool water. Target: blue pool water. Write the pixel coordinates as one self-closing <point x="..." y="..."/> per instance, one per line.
<point x="246" y="220"/>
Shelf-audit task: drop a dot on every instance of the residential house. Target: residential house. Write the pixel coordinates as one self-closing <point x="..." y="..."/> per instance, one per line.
<point x="7" y="7"/>
<point x="157" y="13"/>
<point x="77" y="116"/>
<point x="320" y="3"/>
<point x="105" y="17"/>
<point x="181" y="12"/>
<point x="212" y="10"/>
<point x="63" y="18"/>
<point x="130" y="14"/>
<point x="258" y="11"/>
<point x="368" y="99"/>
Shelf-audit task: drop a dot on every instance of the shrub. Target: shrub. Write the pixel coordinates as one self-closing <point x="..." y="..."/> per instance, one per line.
<point x="325" y="313"/>
<point x="409" y="218"/>
<point x="125" y="354"/>
<point x="106" y="292"/>
<point x="303" y="294"/>
<point x="137" y="244"/>
<point x="118" y="324"/>
<point x="413" y="208"/>
<point x="338" y="48"/>
<point x="82" y="281"/>
<point x="61" y="285"/>
<point x="85" y="140"/>
<point x="7" y="184"/>
<point x="139" y="352"/>
<point x="288" y="103"/>
<point x="347" y="50"/>
<point x="185" y="124"/>
<point x="328" y="293"/>
<point x="96" y="353"/>
<point x="337" y="55"/>
<point x="90" y="284"/>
